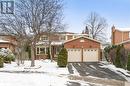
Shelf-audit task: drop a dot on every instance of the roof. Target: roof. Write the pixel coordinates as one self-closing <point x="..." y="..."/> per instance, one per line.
<point x="123" y="29"/>
<point x="123" y="42"/>
<point x="66" y="33"/>
<point x="3" y="41"/>
<point x="82" y="37"/>
<point x="56" y="43"/>
<point x="52" y="43"/>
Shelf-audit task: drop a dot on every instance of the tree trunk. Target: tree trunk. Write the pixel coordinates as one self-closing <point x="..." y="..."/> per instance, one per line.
<point x="50" y="52"/>
<point x="50" y="47"/>
<point x="18" y="59"/>
<point x="32" y="56"/>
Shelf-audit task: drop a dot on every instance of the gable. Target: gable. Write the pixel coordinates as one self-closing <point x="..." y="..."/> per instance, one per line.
<point x="82" y="42"/>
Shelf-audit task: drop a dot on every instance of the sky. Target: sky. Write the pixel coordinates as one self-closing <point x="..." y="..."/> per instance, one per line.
<point x="116" y="12"/>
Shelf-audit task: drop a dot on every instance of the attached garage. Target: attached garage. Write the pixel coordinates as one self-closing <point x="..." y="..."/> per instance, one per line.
<point x="90" y="55"/>
<point x="83" y="49"/>
<point x="76" y="53"/>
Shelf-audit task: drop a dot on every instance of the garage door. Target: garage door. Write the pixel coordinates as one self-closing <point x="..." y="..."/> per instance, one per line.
<point x="74" y="55"/>
<point x="85" y="55"/>
<point x="90" y="55"/>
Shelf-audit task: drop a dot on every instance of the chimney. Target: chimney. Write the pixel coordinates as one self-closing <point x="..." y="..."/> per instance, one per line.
<point x="113" y="35"/>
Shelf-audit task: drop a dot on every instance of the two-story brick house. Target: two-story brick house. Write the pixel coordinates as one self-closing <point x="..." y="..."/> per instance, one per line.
<point x="57" y="41"/>
<point x="121" y="36"/>
<point x="80" y="47"/>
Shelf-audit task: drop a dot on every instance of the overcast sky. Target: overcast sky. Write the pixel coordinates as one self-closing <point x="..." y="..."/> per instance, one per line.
<point x="116" y="12"/>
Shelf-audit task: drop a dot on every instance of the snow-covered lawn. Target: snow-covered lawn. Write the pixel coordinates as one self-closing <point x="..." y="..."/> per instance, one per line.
<point x="45" y="66"/>
<point x="33" y="79"/>
<point x="45" y="73"/>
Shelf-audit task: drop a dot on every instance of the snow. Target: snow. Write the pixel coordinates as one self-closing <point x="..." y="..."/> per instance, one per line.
<point x="44" y="73"/>
<point x="52" y="43"/>
<point x="31" y="80"/>
<point x="3" y="41"/>
<point x="122" y="72"/>
<point x="56" y="43"/>
<point x="41" y="66"/>
<point x="5" y="52"/>
<point x="75" y="72"/>
<point x="50" y="74"/>
<point x="123" y="29"/>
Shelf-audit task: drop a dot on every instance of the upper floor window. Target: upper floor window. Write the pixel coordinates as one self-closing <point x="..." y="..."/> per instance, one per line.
<point x="75" y="37"/>
<point x="43" y="38"/>
<point x="62" y="38"/>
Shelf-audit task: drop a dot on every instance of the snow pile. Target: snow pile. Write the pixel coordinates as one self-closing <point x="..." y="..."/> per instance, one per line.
<point x="75" y="72"/>
<point x="5" y="52"/>
<point x="122" y="72"/>
<point x="3" y="41"/>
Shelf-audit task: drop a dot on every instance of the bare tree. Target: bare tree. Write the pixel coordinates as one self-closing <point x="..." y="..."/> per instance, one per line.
<point x="15" y="26"/>
<point x="36" y="15"/>
<point x="54" y="25"/>
<point x="96" y="26"/>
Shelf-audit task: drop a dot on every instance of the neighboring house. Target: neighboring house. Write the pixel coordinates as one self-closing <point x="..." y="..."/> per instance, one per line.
<point x="8" y="41"/>
<point x="121" y="36"/>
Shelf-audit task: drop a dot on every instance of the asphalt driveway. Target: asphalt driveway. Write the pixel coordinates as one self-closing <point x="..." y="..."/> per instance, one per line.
<point x="93" y="69"/>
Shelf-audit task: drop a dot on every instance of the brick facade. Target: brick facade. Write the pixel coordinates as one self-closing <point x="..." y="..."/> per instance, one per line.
<point x="120" y="37"/>
<point x="11" y="44"/>
<point x="127" y="45"/>
<point x="82" y="43"/>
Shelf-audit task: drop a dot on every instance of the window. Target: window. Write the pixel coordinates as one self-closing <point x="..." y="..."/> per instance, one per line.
<point x="7" y="7"/>
<point x="62" y="38"/>
<point x="43" y="38"/>
<point x="37" y="50"/>
<point x="42" y="50"/>
<point x="75" y="36"/>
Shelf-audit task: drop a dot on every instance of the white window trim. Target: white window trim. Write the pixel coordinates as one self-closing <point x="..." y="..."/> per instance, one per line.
<point x="45" y="53"/>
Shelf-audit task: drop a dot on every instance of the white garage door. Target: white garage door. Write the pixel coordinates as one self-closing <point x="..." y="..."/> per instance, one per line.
<point x="74" y="55"/>
<point x="90" y="55"/>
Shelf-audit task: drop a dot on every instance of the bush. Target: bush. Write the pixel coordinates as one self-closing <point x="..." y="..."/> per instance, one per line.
<point x="128" y="63"/>
<point x="1" y="62"/>
<point x="118" y="56"/>
<point x="107" y="51"/>
<point x="124" y="57"/>
<point x="9" y="58"/>
<point x="62" y="58"/>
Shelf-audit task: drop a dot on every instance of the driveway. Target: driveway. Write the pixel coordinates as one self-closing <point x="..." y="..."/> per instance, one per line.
<point x="93" y="69"/>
